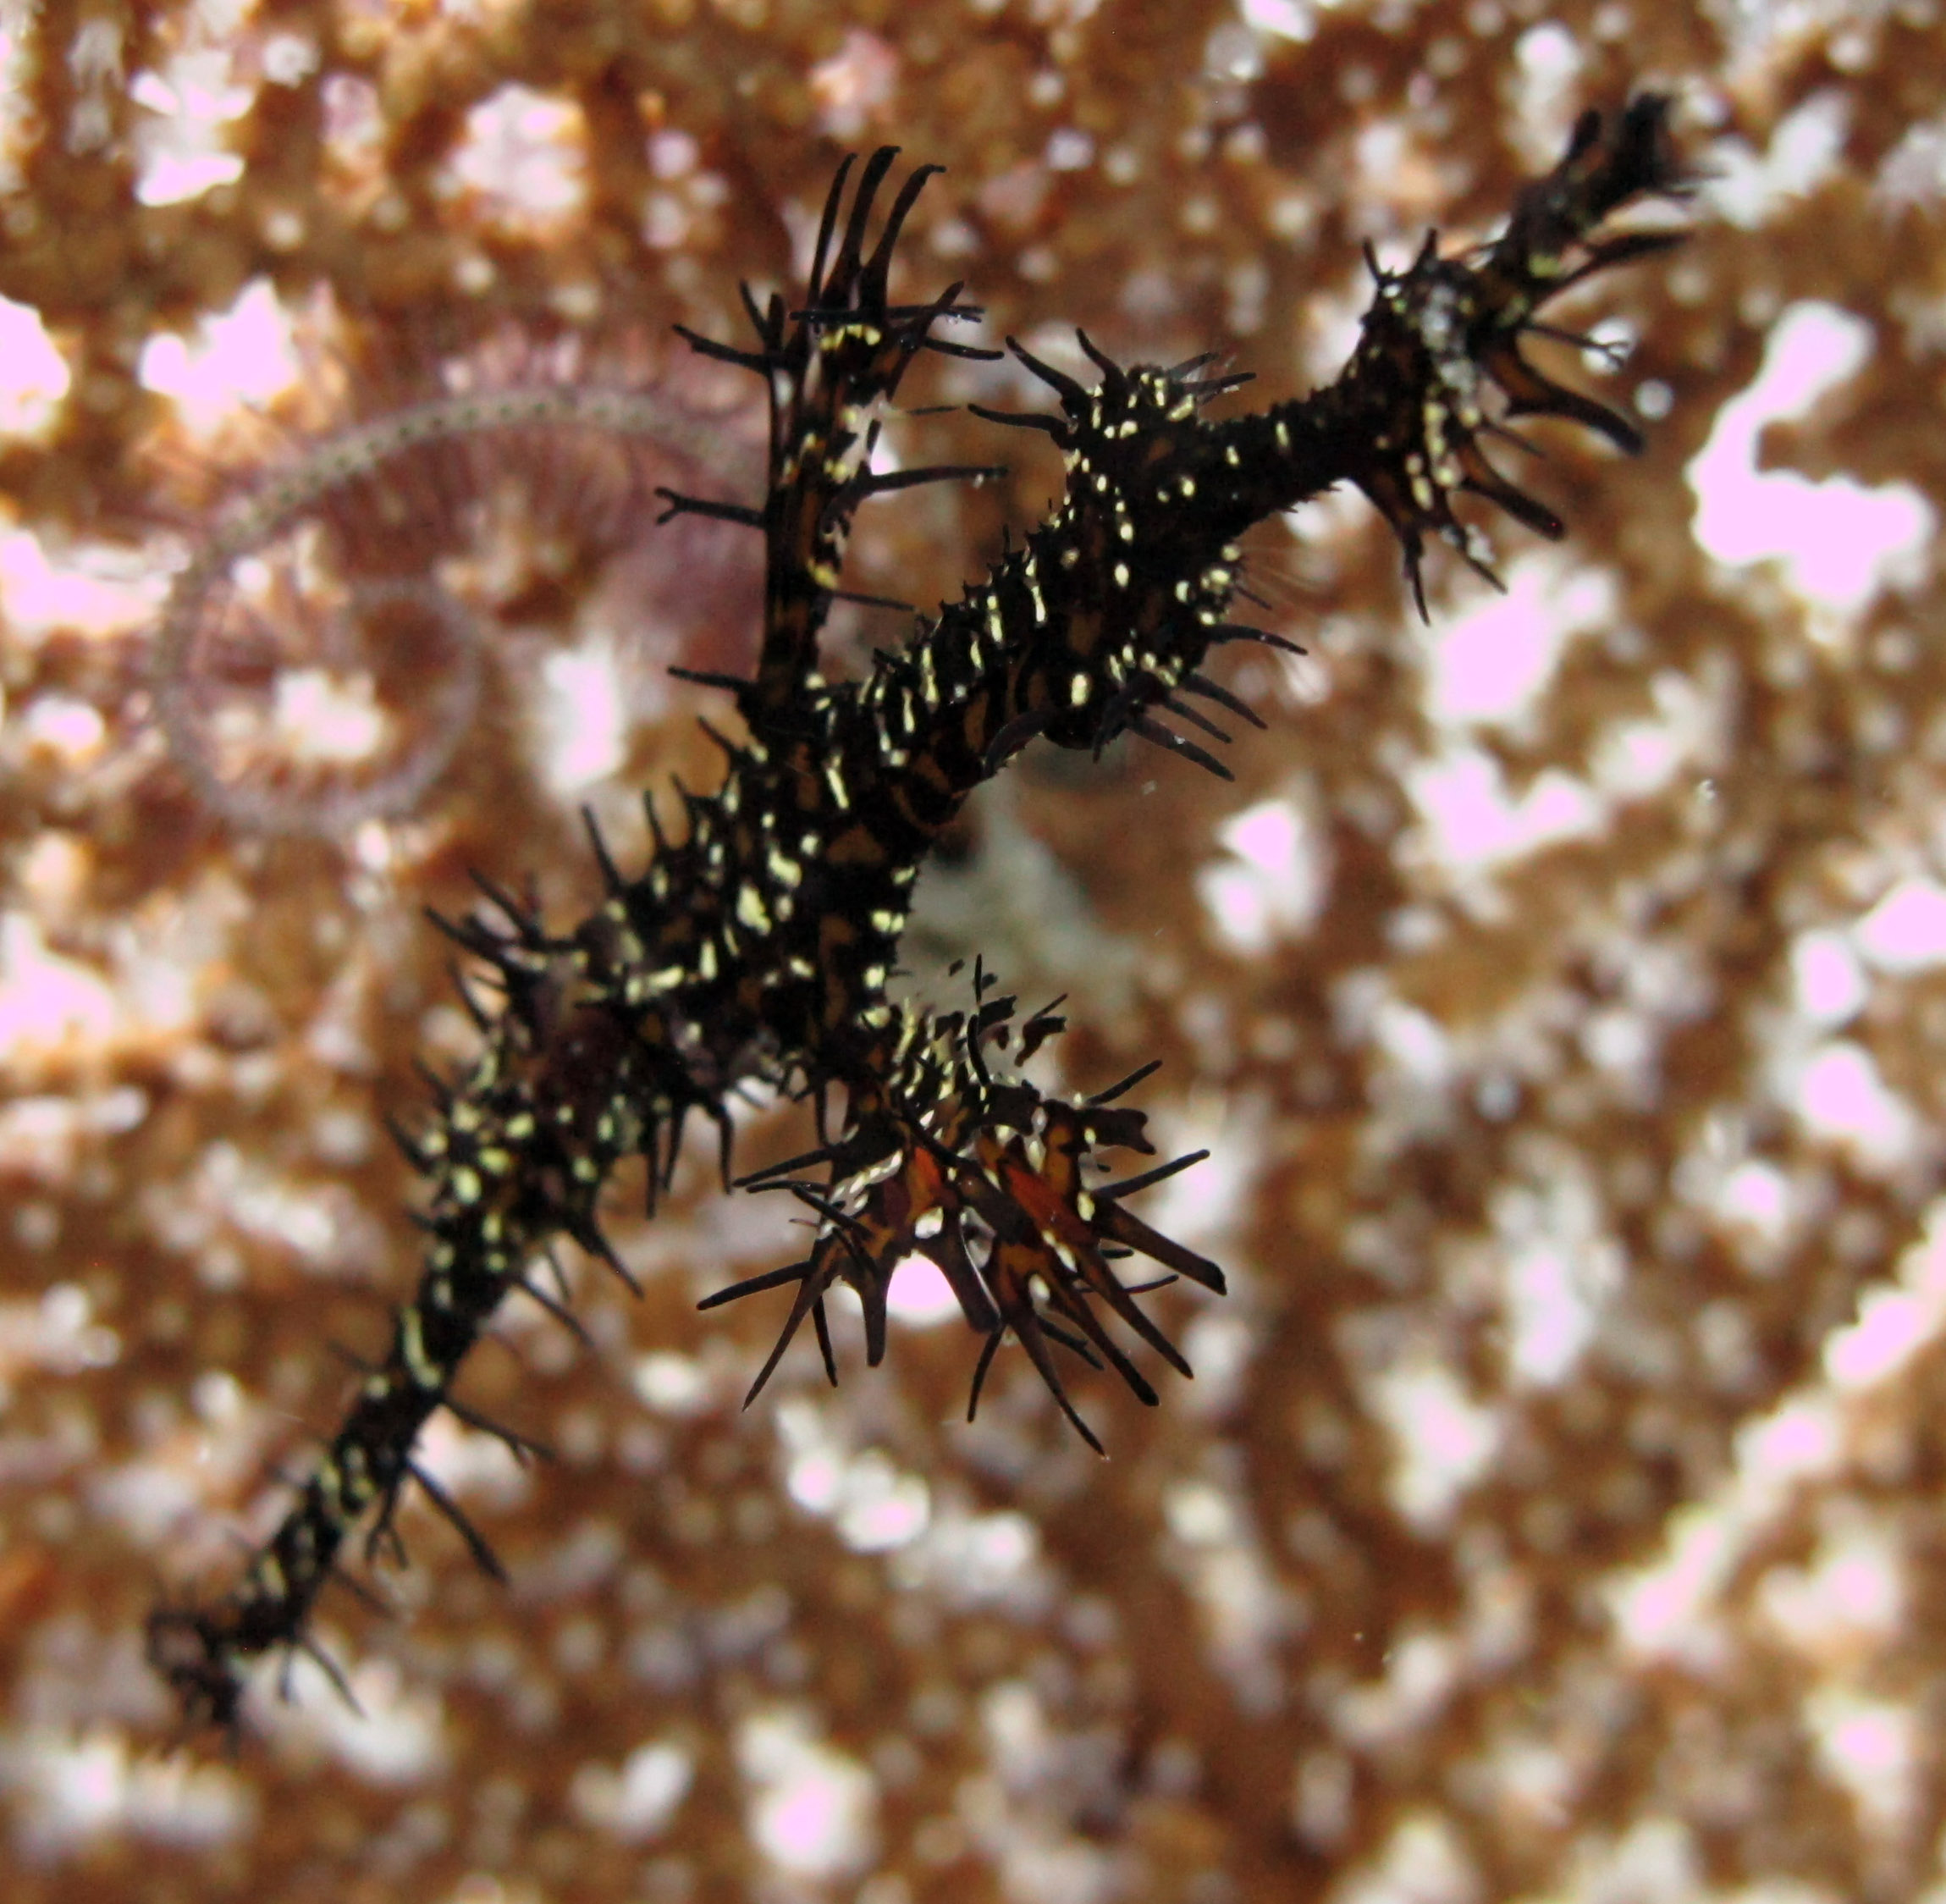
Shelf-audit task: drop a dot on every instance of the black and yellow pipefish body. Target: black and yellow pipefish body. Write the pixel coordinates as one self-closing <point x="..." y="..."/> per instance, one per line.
<point x="760" y="944"/>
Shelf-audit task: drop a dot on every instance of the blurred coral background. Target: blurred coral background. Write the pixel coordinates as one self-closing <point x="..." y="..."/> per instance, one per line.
<point x="1561" y="987"/>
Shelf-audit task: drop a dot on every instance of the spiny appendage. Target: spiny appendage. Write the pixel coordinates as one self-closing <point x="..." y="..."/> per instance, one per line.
<point x="1441" y="349"/>
<point x="516" y="1155"/>
<point x="984" y="1176"/>
<point x="1150" y="618"/>
<point x="826" y="367"/>
<point x="1096" y="625"/>
<point x="204" y="1651"/>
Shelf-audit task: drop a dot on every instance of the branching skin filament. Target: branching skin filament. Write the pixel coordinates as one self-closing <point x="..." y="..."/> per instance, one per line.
<point x="758" y="945"/>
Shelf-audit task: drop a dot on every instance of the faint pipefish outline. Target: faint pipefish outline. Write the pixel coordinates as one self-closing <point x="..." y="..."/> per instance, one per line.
<point x="287" y="492"/>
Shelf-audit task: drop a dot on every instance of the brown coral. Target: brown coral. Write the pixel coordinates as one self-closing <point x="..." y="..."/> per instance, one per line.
<point x="1555" y="1516"/>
